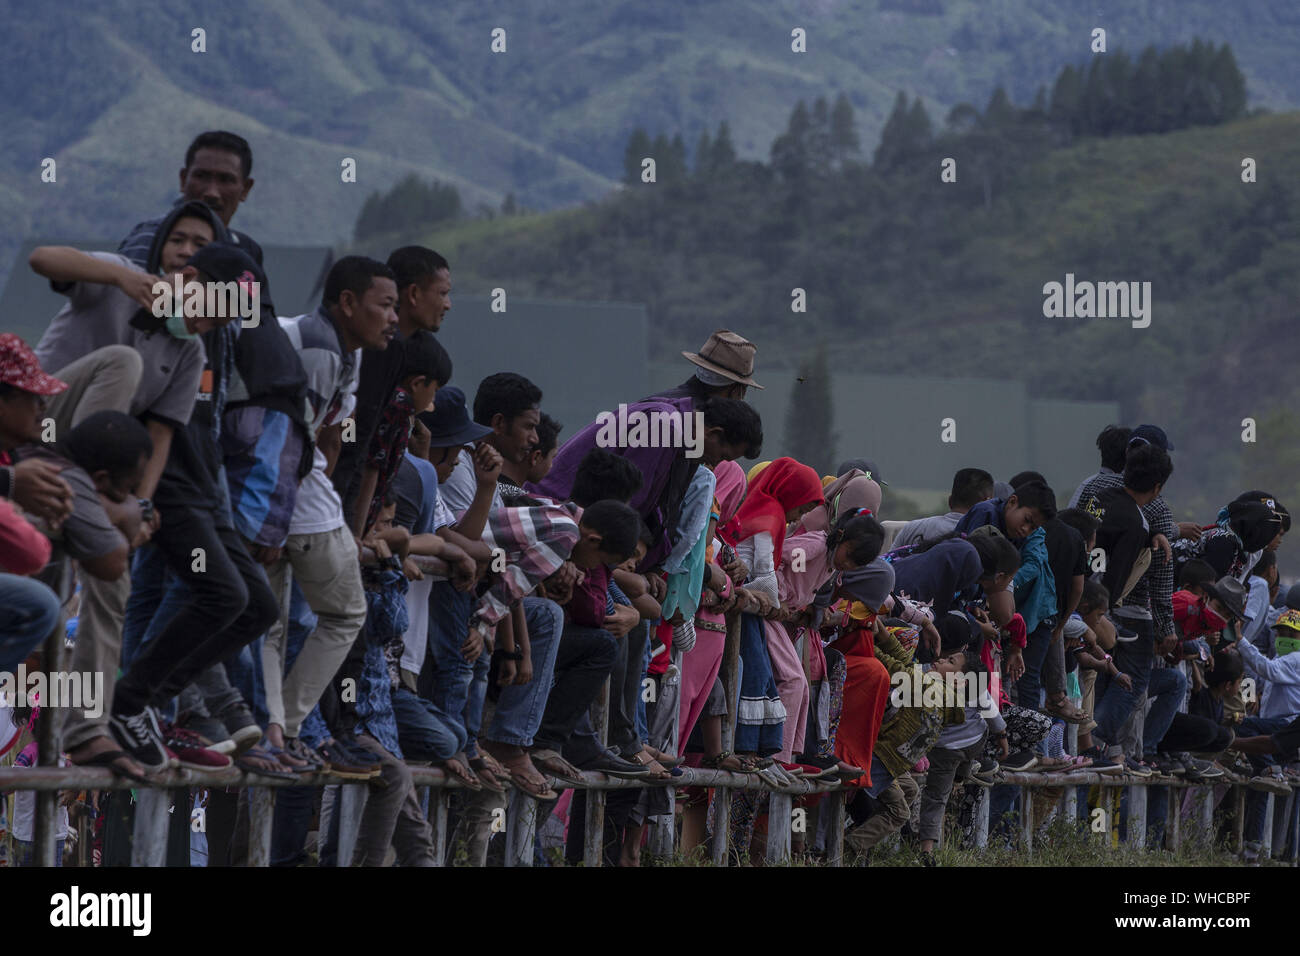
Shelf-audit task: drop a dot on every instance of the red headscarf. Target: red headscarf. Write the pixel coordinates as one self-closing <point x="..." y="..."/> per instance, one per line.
<point x="781" y="486"/>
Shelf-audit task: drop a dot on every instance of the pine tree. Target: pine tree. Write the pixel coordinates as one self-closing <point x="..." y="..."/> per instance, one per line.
<point x="808" y="424"/>
<point x="999" y="114"/>
<point x="790" y="150"/>
<point x="844" y="133"/>
<point x="819" y="138"/>
<point x="893" y="136"/>
<point x="724" y="152"/>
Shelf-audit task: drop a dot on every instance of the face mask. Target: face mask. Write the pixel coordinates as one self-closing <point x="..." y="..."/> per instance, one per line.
<point x="176" y="326"/>
<point x="1286" y="645"/>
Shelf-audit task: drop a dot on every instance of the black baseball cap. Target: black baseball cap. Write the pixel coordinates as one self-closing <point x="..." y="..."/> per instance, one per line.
<point x="1153" y="434"/>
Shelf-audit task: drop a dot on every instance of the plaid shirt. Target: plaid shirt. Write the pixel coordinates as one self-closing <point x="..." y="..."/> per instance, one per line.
<point x="388" y="446"/>
<point x="1155" y="589"/>
<point x="536" y="540"/>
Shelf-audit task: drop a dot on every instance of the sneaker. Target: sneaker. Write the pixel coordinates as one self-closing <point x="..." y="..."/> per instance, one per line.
<point x="338" y="760"/>
<point x="141" y="738"/>
<point x="212" y="732"/>
<point x="1125" y="635"/>
<point x="241" y="728"/>
<point x="1165" y="766"/>
<point x="187" y="747"/>
<point x="985" y="770"/>
<point x="1100" y="762"/>
<point x="1020" y="761"/>
<point x="1136" y="768"/>
<point x="1195" y="769"/>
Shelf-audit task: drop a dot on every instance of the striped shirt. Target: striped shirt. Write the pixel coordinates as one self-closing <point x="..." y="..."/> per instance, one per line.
<point x="536" y="542"/>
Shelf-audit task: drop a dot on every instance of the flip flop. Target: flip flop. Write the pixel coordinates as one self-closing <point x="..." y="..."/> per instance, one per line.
<point x="108" y="759"/>
<point x="486" y="776"/>
<point x="529" y="788"/>
<point x="550" y="761"/>
<point x="243" y="762"/>
<point x="466" y="774"/>
<point x="270" y="751"/>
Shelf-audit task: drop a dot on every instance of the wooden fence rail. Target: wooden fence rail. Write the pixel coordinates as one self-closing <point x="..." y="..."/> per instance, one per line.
<point x="154" y="802"/>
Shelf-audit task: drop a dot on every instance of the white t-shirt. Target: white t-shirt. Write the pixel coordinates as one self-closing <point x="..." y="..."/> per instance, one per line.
<point x="332" y="378"/>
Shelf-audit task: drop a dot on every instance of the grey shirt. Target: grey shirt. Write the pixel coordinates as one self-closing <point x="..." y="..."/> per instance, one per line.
<point x="458" y="491"/>
<point x="926" y="529"/>
<point x="98" y="315"/>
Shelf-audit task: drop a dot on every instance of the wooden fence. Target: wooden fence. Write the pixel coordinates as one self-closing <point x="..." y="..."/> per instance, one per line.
<point x="154" y="801"/>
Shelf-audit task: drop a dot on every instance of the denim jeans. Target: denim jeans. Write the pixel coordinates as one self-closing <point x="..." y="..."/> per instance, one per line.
<point x="520" y="708"/>
<point x="1114" y="703"/>
<point x="29" y="612"/>
<point x="446" y="676"/>
<point x="582" y="665"/>
<point x="1168" y="685"/>
<point x="1030" y="686"/>
<point x="425" y="732"/>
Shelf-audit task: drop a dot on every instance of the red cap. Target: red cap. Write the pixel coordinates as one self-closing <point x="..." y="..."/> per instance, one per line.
<point x="20" y="368"/>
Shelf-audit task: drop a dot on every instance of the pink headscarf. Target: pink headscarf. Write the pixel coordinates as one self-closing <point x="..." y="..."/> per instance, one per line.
<point x="729" y="489"/>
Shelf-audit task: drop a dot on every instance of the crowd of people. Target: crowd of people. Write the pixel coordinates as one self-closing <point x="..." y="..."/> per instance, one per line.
<point x="292" y="545"/>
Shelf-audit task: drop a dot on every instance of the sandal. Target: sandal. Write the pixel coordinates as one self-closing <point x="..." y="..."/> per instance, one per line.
<point x="254" y="759"/>
<point x="657" y="771"/>
<point x="1063" y="707"/>
<point x="665" y="760"/>
<point x="457" y="767"/>
<point x="523" y="775"/>
<point x="550" y="761"/>
<point x="487" y="774"/>
<point x="732" y="763"/>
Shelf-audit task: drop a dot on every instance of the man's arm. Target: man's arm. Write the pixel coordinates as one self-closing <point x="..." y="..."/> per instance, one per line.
<point x="330" y="440"/>
<point x="161" y="435"/>
<point x="365" y="494"/>
<point x="65" y="264"/>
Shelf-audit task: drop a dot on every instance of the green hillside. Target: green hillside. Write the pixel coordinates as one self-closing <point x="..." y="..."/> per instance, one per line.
<point x="114" y="94"/>
<point x="907" y="273"/>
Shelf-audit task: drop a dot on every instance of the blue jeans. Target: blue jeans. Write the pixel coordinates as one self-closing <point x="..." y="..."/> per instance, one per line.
<point x="446" y="676"/>
<point x="156" y="596"/>
<point x="520" y="708"/>
<point x="1114" y="703"/>
<point x="1030" y="686"/>
<point x="29" y="612"/>
<point x="425" y="732"/>
<point x="1168" y="687"/>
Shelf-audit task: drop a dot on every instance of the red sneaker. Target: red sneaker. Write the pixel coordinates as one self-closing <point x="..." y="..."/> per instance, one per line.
<point x="187" y="747"/>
